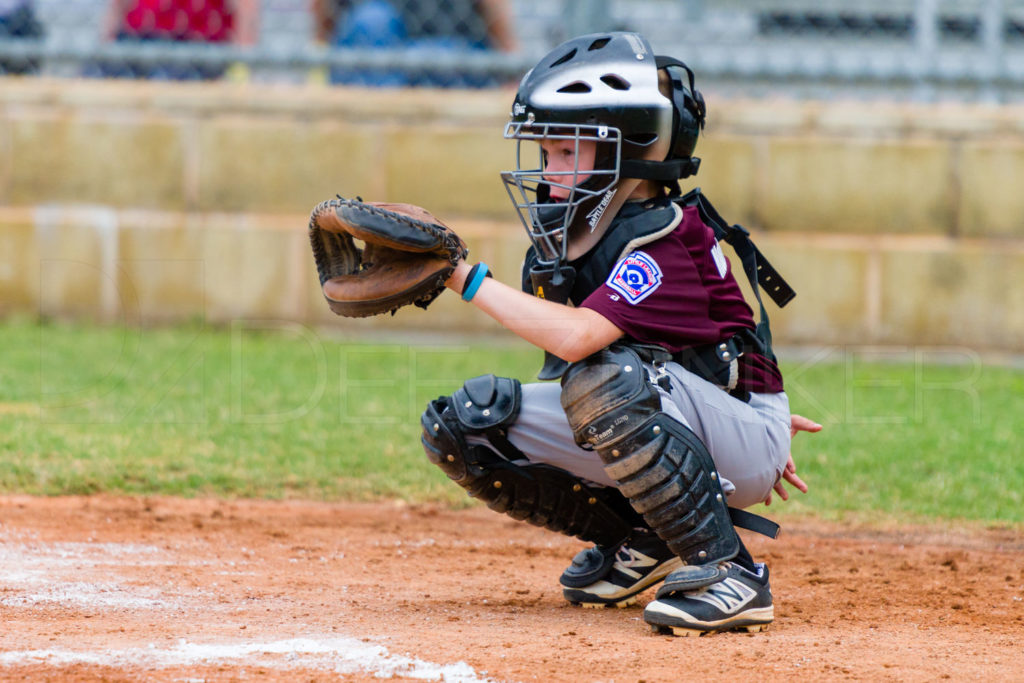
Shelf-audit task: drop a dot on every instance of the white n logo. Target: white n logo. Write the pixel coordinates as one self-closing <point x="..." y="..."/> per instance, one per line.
<point x="636" y="559"/>
<point x="728" y="595"/>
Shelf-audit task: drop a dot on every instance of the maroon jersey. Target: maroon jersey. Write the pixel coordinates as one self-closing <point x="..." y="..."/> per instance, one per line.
<point x="679" y="291"/>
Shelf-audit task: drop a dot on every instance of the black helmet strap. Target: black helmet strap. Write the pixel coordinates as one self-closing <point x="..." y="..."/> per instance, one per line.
<point x="663" y="62"/>
<point x="667" y="172"/>
<point x="697" y="107"/>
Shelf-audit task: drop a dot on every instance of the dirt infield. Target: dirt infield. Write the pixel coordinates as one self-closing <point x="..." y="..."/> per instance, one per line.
<point x="166" y="589"/>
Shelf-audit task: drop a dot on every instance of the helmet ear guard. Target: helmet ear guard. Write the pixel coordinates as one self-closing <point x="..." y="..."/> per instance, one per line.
<point x="688" y="104"/>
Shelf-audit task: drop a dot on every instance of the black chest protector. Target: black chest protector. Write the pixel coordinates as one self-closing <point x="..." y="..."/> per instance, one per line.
<point x="637" y="224"/>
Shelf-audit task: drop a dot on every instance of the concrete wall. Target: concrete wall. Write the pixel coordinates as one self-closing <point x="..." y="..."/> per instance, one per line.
<point x="143" y="201"/>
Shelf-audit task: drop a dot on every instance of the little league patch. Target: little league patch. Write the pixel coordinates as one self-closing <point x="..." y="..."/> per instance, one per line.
<point x="635" y="277"/>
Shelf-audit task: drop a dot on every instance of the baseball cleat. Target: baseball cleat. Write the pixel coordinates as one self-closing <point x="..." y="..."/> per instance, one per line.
<point x="739" y="600"/>
<point x="612" y="577"/>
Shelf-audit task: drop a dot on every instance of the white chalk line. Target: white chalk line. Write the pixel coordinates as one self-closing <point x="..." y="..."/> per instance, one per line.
<point x="30" y="573"/>
<point x="338" y="655"/>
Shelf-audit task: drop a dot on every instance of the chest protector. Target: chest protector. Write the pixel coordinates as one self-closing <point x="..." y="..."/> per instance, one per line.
<point x="641" y="223"/>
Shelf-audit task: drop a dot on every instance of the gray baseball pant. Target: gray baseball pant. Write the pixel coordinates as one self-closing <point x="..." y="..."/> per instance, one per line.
<point x="749" y="442"/>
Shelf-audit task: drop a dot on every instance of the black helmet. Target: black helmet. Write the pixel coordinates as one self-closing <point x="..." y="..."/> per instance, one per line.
<point x="603" y="88"/>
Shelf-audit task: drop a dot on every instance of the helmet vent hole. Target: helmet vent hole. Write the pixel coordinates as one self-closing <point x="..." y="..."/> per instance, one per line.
<point x="564" y="58"/>
<point x="599" y="43"/>
<point x="576" y="87"/>
<point x="615" y="82"/>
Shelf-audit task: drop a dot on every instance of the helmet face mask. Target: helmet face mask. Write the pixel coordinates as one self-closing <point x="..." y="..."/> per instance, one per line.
<point x="548" y="219"/>
<point x="601" y="89"/>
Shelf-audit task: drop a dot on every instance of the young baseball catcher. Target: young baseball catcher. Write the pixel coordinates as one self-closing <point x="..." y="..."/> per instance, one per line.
<point x="669" y="416"/>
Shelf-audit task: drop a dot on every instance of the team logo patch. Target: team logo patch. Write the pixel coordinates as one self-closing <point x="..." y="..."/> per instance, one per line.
<point x="635" y="277"/>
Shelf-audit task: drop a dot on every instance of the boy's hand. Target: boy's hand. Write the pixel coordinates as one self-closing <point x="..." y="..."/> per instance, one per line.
<point x="797" y="423"/>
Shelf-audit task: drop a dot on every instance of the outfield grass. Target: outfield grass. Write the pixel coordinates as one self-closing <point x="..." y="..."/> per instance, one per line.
<point x="283" y="411"/>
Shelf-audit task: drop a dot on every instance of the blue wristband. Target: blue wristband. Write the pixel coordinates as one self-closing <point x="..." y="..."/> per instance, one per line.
<point x="474" y="280"/>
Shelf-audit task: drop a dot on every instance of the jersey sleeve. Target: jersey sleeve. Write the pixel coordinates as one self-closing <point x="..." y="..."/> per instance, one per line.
<point x="655" y="295"/>
<point x="677" y="291"/>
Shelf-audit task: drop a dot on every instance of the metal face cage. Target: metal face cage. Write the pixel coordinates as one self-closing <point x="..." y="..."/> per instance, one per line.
<point x="547" y="220"/>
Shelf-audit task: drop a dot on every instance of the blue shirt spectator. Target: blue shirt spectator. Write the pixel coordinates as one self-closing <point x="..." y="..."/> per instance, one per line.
<point x="18" y="20"/>
<point x="427" y="27"/>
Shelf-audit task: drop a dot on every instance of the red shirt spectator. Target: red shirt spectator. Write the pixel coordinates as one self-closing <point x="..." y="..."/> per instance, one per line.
<point x="208" y="21"/>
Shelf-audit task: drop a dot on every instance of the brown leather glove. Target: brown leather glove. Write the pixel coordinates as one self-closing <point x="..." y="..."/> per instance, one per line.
<point x="406" y="258"/>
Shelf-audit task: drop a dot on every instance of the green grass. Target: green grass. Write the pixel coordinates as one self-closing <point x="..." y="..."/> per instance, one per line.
<point x="910" y="440"/>
<point x="282" y="411"/>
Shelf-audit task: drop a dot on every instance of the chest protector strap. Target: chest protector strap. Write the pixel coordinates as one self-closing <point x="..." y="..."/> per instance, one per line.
<point x="760" y="273"/>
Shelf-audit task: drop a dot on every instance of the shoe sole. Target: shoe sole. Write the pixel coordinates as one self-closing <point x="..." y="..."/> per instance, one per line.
<point x="631" y="600"/>
<point x="690" y="633"/>
<point x="622" y="600"/>
<point x="754" y="621"/>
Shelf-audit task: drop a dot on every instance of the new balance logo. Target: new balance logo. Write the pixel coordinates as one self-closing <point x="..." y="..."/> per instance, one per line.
<point x="728" y="595"/>
<point x="635" y="559"/>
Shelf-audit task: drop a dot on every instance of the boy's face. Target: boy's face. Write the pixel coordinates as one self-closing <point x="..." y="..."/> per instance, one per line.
<point x="562" y="158"/>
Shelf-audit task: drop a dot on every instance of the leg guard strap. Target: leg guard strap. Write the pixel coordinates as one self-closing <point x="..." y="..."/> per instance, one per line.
<point x="756" y="523"/>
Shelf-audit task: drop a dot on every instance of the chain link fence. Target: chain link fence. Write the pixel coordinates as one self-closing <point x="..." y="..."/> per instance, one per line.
<point x="925" y="50"/>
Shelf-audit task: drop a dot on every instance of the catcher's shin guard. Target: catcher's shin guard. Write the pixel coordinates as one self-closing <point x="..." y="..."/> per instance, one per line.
<point x="659" y="464"/>
<point x="539" y="494"/>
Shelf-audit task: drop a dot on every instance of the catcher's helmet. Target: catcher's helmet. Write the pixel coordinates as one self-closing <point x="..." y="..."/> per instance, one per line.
<point x="603" y="88"/>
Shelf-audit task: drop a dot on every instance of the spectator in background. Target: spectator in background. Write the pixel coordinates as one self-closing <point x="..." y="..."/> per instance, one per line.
<point x="423" y="25"/>
<point x="199" y="21"/>
<point x="18" y="20"/>
<point x="211" y="21"/>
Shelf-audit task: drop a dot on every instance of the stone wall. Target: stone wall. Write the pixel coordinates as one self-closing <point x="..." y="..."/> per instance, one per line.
<point x="145" y="201"/>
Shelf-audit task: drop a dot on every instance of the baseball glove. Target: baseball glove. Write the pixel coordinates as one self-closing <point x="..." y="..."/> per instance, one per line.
<point x="406" y="258"/>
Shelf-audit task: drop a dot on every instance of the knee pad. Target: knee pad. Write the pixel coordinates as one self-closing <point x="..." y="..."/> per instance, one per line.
<point x="484" y="405"/>
<point x="539" y="494"/>
<point x="658" y="463"/>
